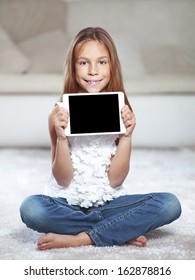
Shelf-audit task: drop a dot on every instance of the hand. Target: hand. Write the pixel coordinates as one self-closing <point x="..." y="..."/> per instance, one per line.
<point x="61" y="122"/>
<point x="128" y="119"/>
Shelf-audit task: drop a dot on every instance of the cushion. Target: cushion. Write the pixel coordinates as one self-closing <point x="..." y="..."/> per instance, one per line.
<point x="12" y="60"/>
<point x="46" y="51"/>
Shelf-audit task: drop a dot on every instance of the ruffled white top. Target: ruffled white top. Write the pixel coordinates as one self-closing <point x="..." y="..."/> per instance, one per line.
<point x="90" y="185"/>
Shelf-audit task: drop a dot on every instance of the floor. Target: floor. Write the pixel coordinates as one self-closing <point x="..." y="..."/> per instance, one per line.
<point x="25" y="171"/>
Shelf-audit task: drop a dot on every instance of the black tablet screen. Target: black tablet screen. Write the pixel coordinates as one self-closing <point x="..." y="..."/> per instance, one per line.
<point x="94" y="113"/>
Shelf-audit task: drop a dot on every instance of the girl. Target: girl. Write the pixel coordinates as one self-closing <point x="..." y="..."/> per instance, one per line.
<point x="86" y="203"/>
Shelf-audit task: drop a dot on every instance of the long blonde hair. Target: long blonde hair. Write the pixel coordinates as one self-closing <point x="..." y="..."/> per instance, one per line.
<point x="87" y="34"/>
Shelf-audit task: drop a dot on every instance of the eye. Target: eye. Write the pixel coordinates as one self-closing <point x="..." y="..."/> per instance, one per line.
<point x="82" y="62"/>
<point x="102" y="62"/>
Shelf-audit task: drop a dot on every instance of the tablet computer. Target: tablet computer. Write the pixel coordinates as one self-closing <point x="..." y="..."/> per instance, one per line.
<point x="94" y="113"/>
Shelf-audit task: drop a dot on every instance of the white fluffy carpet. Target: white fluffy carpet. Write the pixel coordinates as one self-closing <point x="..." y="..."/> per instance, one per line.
<point x="25" y="171"/>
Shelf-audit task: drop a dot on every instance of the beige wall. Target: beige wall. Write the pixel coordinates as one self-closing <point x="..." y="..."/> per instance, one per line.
<point x="154" y="37"/>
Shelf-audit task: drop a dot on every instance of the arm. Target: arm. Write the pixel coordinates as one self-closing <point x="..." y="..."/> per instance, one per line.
<point x="120" y="163"/>
<point x="62" y="168"/>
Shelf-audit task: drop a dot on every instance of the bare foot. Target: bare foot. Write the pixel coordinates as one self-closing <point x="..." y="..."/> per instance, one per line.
<point x="53" y="240"/>
<point x="140" y="241"/>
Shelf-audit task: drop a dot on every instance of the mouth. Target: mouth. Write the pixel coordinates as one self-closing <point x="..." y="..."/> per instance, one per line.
<point x="93" y="82"/>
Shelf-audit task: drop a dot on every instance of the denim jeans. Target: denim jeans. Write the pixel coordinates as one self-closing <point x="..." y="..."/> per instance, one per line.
<point x="118" y="221"/>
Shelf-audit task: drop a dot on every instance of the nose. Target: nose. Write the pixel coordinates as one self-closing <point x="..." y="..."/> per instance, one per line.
<point x="93" y="69"/>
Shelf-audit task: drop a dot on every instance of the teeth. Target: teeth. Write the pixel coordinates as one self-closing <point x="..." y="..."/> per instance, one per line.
<point x="93" y="82"/>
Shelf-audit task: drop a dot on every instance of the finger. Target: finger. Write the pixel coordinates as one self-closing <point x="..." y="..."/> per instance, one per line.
<point x="128" y="116"/>
<point x="62" y="114"/>
<point x="61" y="123"/>
<point x="61" y="120"/>
<point x="130" y="123"/>
<point x="63" y="111"/>
<point x="125" y="109"/>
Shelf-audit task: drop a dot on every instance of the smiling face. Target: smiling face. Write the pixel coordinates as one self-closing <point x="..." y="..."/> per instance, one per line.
<point x="92" y="67"/>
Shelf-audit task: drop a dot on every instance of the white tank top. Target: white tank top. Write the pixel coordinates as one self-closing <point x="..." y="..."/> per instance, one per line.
<point x="90" y="185"/>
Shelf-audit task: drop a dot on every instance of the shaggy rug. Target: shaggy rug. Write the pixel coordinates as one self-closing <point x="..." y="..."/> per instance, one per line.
<point x="25" y="171"/>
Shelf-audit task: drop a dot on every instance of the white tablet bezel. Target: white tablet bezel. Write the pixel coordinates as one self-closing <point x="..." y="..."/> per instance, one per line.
<point x="121" y="101"/>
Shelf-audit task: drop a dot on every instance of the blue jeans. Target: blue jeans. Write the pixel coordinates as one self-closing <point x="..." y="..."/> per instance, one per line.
<point x="118" y="221"/>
